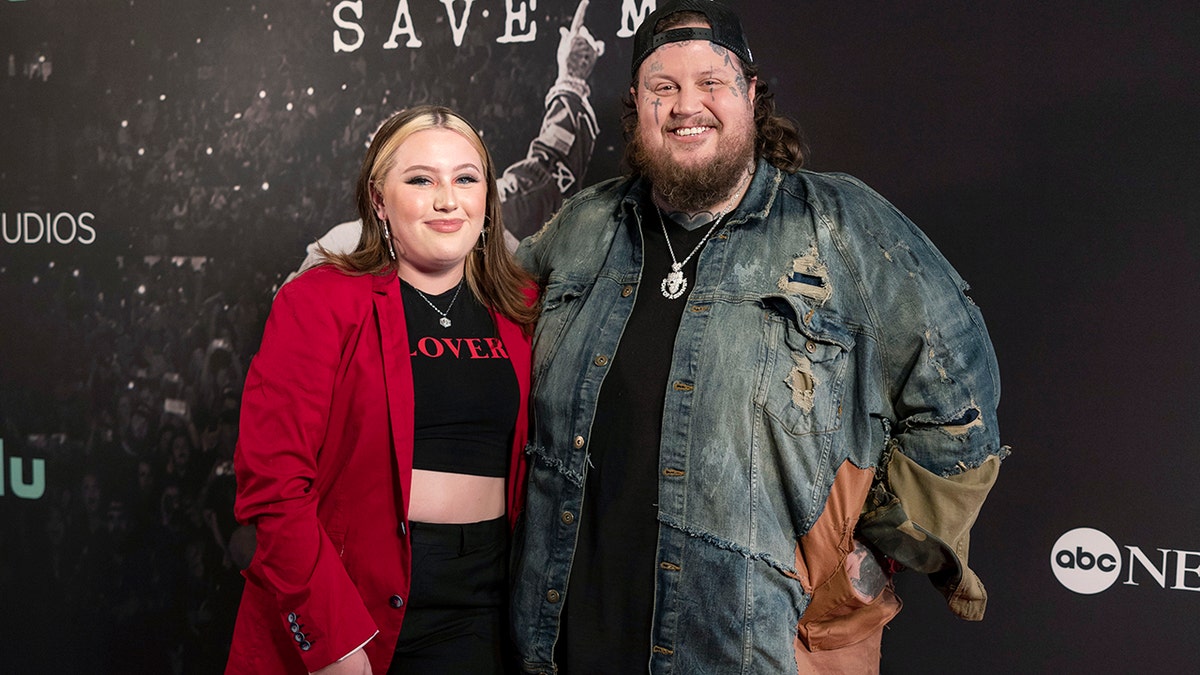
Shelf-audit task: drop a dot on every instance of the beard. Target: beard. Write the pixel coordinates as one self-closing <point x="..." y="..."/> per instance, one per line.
<point x="693" y="189"/>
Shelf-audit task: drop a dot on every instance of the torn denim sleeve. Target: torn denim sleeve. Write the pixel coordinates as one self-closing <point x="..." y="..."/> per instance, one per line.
<point x="943" y="450"/>
<point x="923" y="521"/>
<point x="942" y="387"/>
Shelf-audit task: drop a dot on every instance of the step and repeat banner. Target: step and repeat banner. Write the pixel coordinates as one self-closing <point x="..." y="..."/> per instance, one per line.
<point x="163" y="166"/>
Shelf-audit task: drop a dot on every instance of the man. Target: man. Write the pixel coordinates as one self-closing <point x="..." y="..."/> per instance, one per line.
<point x="533" y="188"/>
<point x="735" y="361"/>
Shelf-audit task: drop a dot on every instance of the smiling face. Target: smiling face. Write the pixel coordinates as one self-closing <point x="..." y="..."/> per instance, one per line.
<point x="434" y="198"/>
<point x="695" y="131"/>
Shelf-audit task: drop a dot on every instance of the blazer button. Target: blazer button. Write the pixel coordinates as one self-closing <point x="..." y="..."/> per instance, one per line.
<point x="396" y="602"/>
<point x="292" y="617"/>
<point x="305" y="646"/>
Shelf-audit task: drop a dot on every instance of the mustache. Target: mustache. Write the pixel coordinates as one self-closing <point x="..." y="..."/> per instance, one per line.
<point x="695" y="123"/>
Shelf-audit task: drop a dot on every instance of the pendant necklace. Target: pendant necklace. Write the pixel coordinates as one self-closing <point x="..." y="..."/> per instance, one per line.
<point x="674" y="284"/>
<point x="445" y="320"/>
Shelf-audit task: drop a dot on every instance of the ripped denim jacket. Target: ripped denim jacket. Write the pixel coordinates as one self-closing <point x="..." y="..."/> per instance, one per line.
<point x="823" y="328"/>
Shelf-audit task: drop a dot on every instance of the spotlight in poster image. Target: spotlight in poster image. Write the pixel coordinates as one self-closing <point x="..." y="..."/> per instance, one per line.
<point x="64" y="227"/>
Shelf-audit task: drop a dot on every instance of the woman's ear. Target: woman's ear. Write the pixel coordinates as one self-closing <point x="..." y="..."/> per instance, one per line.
<point x="377" y="204"/>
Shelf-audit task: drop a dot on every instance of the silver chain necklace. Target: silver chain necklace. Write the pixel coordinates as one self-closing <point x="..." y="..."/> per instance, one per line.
<point x="445" y="320"/>
<point x="674" y="284"/>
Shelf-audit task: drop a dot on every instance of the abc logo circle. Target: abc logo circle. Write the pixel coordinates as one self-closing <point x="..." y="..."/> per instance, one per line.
<point x="1086" y="561"/>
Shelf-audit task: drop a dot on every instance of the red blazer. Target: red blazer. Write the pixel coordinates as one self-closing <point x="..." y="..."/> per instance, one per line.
<point x="324" y="466"/>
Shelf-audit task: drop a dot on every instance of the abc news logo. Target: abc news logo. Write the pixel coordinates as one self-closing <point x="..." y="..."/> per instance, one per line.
<point x="1087" y="561"/>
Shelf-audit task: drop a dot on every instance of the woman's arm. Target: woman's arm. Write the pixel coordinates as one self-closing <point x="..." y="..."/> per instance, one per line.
<point x="284" y="416"/>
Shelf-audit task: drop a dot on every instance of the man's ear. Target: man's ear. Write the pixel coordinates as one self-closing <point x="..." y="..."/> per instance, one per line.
<point x="752" y="89"/>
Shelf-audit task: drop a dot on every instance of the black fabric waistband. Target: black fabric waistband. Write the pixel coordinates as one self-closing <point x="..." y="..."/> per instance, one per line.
<point x="465" y="535"/>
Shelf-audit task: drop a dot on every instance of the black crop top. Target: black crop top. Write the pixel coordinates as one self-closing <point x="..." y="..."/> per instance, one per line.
<point x="465" y="388"/>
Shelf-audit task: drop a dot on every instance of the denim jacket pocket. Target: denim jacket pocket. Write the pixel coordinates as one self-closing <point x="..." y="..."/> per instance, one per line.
<point x="560" y="304"/>
<point x="803" y="378"/>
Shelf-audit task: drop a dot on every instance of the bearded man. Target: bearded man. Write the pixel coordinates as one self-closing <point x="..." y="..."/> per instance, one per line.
<point x="759" y="391"/>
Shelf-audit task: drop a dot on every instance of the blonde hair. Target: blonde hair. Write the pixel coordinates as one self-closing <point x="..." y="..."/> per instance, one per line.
<point x="493" y="275"/>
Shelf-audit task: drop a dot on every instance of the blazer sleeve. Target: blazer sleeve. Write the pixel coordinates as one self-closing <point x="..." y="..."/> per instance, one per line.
<point x="285" y="408"/>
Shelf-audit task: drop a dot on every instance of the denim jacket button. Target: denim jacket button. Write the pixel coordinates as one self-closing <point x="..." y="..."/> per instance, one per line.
<point x="810" y="346"/>
<point x="568" y="517"/>
<point x="600" y="360"/>
<point x="578" y="442"/>
<point x="553" y="595"/>
<point x="627" y="291"/>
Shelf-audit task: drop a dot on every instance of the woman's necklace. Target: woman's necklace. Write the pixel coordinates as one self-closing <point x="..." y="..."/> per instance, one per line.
<point x="445" y="320"/>
<point x="674" y="284"/>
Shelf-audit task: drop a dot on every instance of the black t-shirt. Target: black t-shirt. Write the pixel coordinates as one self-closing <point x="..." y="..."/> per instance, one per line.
<point x="610" y="596"/>
<point x="465" y="388"/>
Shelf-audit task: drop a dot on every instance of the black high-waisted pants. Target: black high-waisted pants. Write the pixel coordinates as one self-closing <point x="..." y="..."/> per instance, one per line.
<point x="457" y="616"/>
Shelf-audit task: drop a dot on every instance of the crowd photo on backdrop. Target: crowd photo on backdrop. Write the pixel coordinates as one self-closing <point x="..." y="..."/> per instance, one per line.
<point x="532" y="189"/>
<point x="759" y="392"/>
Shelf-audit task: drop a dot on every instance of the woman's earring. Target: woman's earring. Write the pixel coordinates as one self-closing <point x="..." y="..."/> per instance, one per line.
<point x="482" y="247"/>
<point x="387" y="236"/>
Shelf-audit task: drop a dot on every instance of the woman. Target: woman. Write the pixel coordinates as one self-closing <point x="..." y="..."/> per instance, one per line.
<point x="383" y="422"/>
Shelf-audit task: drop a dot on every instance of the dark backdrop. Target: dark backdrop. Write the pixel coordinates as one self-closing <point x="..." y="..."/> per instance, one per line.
<point x="1047" y="148"/>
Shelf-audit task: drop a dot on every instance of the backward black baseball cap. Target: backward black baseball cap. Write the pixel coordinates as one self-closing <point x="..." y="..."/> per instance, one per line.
<point x="725" y="30"/>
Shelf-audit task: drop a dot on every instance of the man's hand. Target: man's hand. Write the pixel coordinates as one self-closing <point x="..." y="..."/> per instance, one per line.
<point x="577" y="49"/>
<point x="867" y="576"/>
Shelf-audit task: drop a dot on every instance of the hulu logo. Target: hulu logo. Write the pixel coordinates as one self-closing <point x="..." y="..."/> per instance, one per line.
<point x="15" y="479"/>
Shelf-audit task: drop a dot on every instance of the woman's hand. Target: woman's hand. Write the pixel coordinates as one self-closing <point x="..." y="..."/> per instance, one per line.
<point x="354" y="664"/>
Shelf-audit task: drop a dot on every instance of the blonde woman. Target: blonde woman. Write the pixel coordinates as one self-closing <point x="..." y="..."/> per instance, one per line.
<point x="383" y="420"/>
